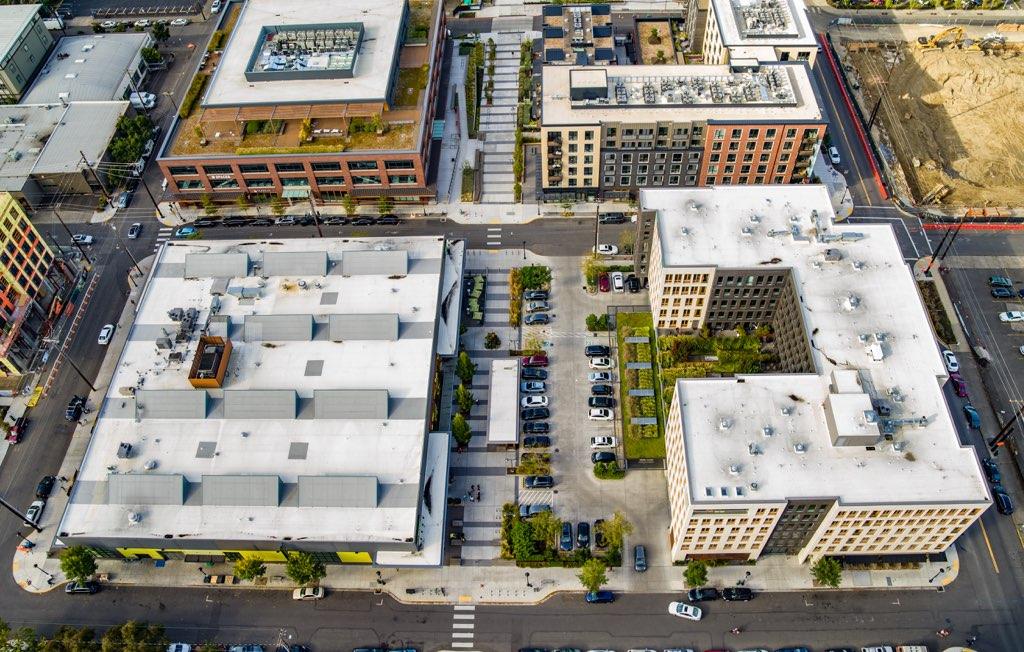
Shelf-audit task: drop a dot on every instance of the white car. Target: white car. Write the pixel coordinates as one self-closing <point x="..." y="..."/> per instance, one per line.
<point x="604" y="441"/>
<point x="600" y="376"/>
<point x="833" y="155"/>
<point x="606" y="250"/>
<point x="34" y="512"/>
<point x="106" y="334"/>
<point x="308" y="593"/>
<point x="180" y="22"/>
<point x="179" y="647"/>
<point x="952" y="366"/>
<point x="215" y="7"/>
<point x="684" y="610"/>
<point x="1012" y="316"/>
<point x="142" y="23"/>
<point x="534" y="401"/>
<point x="108" y="24"/>
<point x="80" y="238"/>
<point x="618" y="282"/>
<point x="1021" y="349"/>
<point x="600" y="363"/>
<point x="601" y="414"/>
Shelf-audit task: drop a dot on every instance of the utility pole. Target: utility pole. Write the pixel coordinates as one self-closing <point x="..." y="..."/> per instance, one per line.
<point x="315" y="213"/>
<point x="597" y="221"/>
<point x="117" y="237"/>
<point x="95" y="176"/>
<point x="999" y="440"/>
<point x="19" y="514"/>
<point x="70" y="235"/>
<point x="145" y="186"/>
<point x="956" y="232"/>
<point x="78" y="371"/>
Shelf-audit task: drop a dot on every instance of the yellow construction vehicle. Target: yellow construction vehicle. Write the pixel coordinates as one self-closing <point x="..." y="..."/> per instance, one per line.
<point x="935" y="41"/>
<point x="988" y="44"/>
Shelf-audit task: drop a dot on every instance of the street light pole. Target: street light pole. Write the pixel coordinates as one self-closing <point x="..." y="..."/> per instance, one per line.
<point x="117" y="237"/>
<point x="70" y="235"/>
<point x="11" y="509"/>
<point x="528" y="585"/>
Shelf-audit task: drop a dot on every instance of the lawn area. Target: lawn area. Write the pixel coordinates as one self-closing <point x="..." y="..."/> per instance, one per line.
<point x="411" y="82"/>
<point x="640" y="441"/>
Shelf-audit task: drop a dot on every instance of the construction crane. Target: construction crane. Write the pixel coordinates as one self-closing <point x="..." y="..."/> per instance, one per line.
<point x="934" y="42"/>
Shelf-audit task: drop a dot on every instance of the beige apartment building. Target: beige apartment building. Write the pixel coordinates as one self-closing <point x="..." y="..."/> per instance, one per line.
<point x="762" y="30"/>
<point x="846" y="448"/>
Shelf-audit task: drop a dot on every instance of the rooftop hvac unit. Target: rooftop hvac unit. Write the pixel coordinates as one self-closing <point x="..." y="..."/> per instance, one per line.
<point x="124" y="450"/>
<point x="134" y="518"/>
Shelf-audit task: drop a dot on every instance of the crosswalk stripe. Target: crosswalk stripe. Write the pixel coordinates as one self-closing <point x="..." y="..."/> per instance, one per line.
<point x="465" y="607"/>
<point x="464" y="616"/>
<point x="462" y="634"/>
<point x="461" y="644"/>
<point x="463" y="625"/>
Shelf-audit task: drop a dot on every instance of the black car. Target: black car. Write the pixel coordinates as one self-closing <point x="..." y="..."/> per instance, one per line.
<point x="632" y="284"/>
<point x="334" y="220"/>
<point x="536" y="428"/>
<point x="639" y="559"/>
<point x="533" y="373"/>
<point x="601" y="402"/>
<point x="565" y="543"/>
<point x="1003" y="503"/>
<point x="235" y="222"/>
<point x="602" y="456"/>
<point x="539" y="482"/>
<point x="599" y="539"/>
<point x="611" y="218"/>
<point x="991" y="471"/>
<point x="703" y="595"/>
<point x="389" y="220"/>
<point x="363" y="221"/>
<point x="597" y="351"/>
<point x="306" y="220"/>
<point x="1002" y="293"/>
<point x="205" y="221"/>
<point x="535" y="295"/>
<point x="534" y="414"/>
<point x="262" y="221"/>
<point x="81" y="587"/>
<point x="737" y="594"/>
<point x="44" y="487"/>
<point x="601" y="390"/>
<point x="75" y="408"/>
<point x="583" y="535"/>
<point x="537" y="441"/>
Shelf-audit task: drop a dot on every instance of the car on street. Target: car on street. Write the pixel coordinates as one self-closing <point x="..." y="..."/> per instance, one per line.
<point x="618" y="282"/>
<point x="539" y="482"/>
<point x="334" y="220"/>
<point x="599" y="376"/>
<point x="597" y="351"/>
<point x="45" y="486"/>
<point x="600" y="540"/>
<point x="601" y="402"/>
<point x="134" y="230"/>
<point x="1002" y="293"/>
<point x="603" y="283"/>
<point x="536" y="427"/>
<point x="606" y="249"/>
<point x="1003" y="503"/>
<point x="791" y="649"/>
<point x="536" y="295"/>
<point x="737" y="594"/>
<point x="75" y="407"/>
<point x="537" y="319"/>
<point x="143" y="22"/>
<point x="602" y="456"/>
<point x="583" y="534"/>
<point x="703" y="594"/>
<point x="364" y="221"/>
<point x="534" y="414"/>
<point x="123" y="199"/>
<point x="1012" y="316"/>
<point x="537" y="441"/>
<point x="308" y="593"/>
<point x="601" y="414"/>
<point x="72" y="588"/>
<point x="206" y="221"/>
<point x="972" y="417"/>
<point x="600" y="363"/>
<point x="1000" y="282"/>
<point x="833" y="155"/>
<point x="180" y="22"/>
<point x="611" y="218"/>
<point x="34" y="512"/>
<point x="959" y="386"/>
<point x="684" y="610"/>
<point x="82" y="239"/>
<point x="600" y="597"/>
<point x="106" y="334"/>
<point x="538" y="306"/>
<point x="215" y="7"/>
<point x="952" y="365"/>
<point x="532" y="387"/>
<point x="186" y="231"/>
<point x="287" y="220"/>
<point x="389" y="220"/>
<point x="640" y="559"/>
<point x="534" y="361"/>
<point x="532" y="373"/>
<point x="261" y="221"/>
<point x="601" y="390"/>
<point x="527" y="511"/>
<point x="991" y="471"/>
<point x="565" y="541"/>
<point x="534" y="402"/>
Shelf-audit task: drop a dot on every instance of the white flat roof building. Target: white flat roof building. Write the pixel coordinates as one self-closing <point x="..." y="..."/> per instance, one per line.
<point x="317" y="437"/>
<point x="503" y="403"/>
<point x="95" y="67"/>
<point x="766" y="30"/>
<point x="772" y="438"/>
<point x="309" y="52"/>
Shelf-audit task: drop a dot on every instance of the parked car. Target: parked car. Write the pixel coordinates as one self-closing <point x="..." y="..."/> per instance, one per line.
<point x="389" y="220"/>
<point x="17" y="431"/>
<point x="180" y="22"/>
<point x="537" y="306"/>
<point x="603" y="284"/>
<point x="959" y="386"/>
<point x="308" y="593"/>
<point x="215" y="7"/>
<point x="536" y="427"/>
<point x="703" y="594"/>
<point x="606" y="249"/>
<point x="737" y="594"/>
<point x="1002" y="293"/>
<point x="599" y="538"/>
<point x="206" y="221"/>
<point x="1003" y="503"/>
<point x="601" y="390"/>
<point x="72" y="588"/>
<point x="334" y="220"/>
<point x="539" y="482"/>
<point x="583" y="534"/>
<point x="618" y="282"/>
<point x="534" y="402"/>
<point x="601" y="402"/>
<point x="640" y="559"/>
<point x="632" y="284"/>
<point x="537" y="441"/>
<point x="45" y="486"/>
<point x="611" y="218"/>
<point x="261" y="221"/>
<point x="600" y="597"/>
<point x="532" y="373"/>
<point x="684" y="610"/>
<point x="991" y="471"/>
<point x="600" y="376"/>
<point x="565" y="541"/>
<point x="535" y="295"/>
<point x="186" y="231"/>
<point x="534" y="361"/>
<point x="123" y="199"/>
<point x="601" y="414"/>
<point x="602" y="456"/>
<point x="75" y="407"/>
<point x="82" y="239"/>
<point x="1012" y="316"/>
<point x="534" y="414"/>
<point x="106" y="334"/>
<point x="833" y="155"/>
<point x="537" y="319"/>
<point x="952" y="365"/>
<point x="287" y="220"/>
<point x="34" y="512"/>
<point x="108" y="24"/>
<point x="972" y="416"/>
<point x="364" y="221"/>
<point x="596" y="351"/>
<point x="134" y="230"/>
<point x="532" y="387"/>
<point x="526" y="511"/>
<point x="142" y="22"/>
<point x="1000" y="282"/>
<point x="600" y="363"/>
<point x="792" y="649"/>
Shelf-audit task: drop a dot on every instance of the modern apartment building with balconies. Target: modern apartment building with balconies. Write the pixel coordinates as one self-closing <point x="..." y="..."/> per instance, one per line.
<point x="764" y="30"/>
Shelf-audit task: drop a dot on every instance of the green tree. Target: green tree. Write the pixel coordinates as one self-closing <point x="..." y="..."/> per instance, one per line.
<point x="464" y="399"/>
<point x="491" y="341"/>
<point x="303" y="568"/>
<point x="209" y="207"/>
<point x="160" y="32"/>
<point x="626" y="241"/>
<point x="592" y="575"/>
<point x="522" y="540"/>
<point x="71" y="639"/>
<point x="461" y="431"/>
<point x="77" y="563"/>
<point x="534" y="464"/>
<point x="592" y="266"/>
<point x="349" y="204"/>
<point x="277" y="206"/>
<point x="464" y="368"/>
<point x="535" y="276"/>
<point x="385" y="205"/>
<point x="151" y="55"/>
<point x="827" y="571"/>
<point x="249" y="568"/>
<point x="653" y="37"/>
<point x="242" y="202"/>
<point x="134" y="636"/>
<point x="696" y="574"/>
<point x="546" y="529"/>
<point x="615" y="530"/>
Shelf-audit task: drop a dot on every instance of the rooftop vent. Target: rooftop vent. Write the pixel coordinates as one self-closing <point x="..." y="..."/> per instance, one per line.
<point x="857" y="265"/>
<point x="734" y="469"/>
<point x="786" y="411"/>
<point x="724" y="424"/>
<point x="753" y="449"/>
<point x="150" y="465"/>
<point x="684" y="231"/>
<point x="754" y="486"/>
<point x="747" y="231"/>
<point x="899" y="446"/>
<point x="755" y="219"/>
<point x="134" y="518"/>
<point x="124" y="450"/>
<point x="799" y="449"/>
<point x="850" y="302"/>
<point x="768" y="431"/>
<point x="833" y="255"/>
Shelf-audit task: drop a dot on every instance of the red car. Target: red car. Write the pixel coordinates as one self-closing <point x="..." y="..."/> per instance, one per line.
<point x="959" y="386"/>
<point x="535" y="361"/>
<point x="17" y="430"/>
<point x="602" y="282"/>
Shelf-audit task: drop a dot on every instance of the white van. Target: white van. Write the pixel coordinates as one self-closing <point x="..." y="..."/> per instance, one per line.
<point x="142" y="100"/>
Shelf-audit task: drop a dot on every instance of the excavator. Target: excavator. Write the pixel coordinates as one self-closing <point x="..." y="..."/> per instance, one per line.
<point x="935" y="41"/>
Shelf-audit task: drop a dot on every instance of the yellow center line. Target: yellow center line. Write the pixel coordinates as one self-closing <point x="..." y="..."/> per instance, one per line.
<point x="989" y="546"/>
<point x="1019" y="529"/>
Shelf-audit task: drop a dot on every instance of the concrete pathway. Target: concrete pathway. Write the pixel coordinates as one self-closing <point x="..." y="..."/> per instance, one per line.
<point x="498" y="119"/>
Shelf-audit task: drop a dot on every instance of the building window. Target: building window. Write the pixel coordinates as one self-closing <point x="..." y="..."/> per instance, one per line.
<point x="182" y="169"/>
<point x="295" y="182"/>
<point x="673" y="181"/>
<point x="641" y="181"/>
<point x="189" y="184"/>
<point x="402" y="179"/>
<point x="326" y="166"/>
<point x="224" y="183"/>
<point x="608" y="181"/>
<point x="573" y="135"/>
<point x="289" y="167"/>
<point x="362" y="165"/>
<point x="399" y="165"/>
<point x="719" y="134"/>
<point x="623" y="181"/>
<point x="611" y="132"/>
<point x="362" y="180"/>
<point x="259" y="183"/>
<point x="588" y="135"/>
<point x="330" y="181"/>
<point x="218" y="169"/>
<point x="253" y="167"/>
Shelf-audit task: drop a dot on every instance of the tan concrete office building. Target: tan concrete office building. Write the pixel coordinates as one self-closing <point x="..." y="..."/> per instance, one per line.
<point x="24" y="42"/>
<point x="763" y="30"/>
<point x="848" y="449"/>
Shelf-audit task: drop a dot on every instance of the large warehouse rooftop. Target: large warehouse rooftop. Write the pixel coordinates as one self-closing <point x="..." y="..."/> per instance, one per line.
<point x="276" y="391"/>
<point x="872" y="424"/>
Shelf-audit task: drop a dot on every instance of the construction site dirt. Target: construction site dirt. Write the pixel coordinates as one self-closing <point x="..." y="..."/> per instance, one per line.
<point x="951" y="117"/>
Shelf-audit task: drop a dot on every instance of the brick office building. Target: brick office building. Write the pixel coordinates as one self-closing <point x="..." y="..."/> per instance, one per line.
<point x="315" y="100"/>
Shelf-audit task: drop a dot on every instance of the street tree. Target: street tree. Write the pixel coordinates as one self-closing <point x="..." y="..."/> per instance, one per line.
<point x="385" y="205"/>
<point x="160" y="32"/>
<point x="349" y="204"/>
<point x="523" y="545"/>
<point x="71" y="639"/>
<point x="615" y="530"/>
<point x="491" y="341"/>
<point x="277" y="206"/>
<point x="249" y="568"/>
<point x="546" y="529"/>
<point x="303" y="568"/>
<point x="464" y="398"/>
<point x="242" y="202"/>
<point x="827" y="571"/>
<point x="464" y="368"/>
<point x="134" y="636"/>
<point x="696" y="574"/>
<point x="209" y="207"/>
<point x="78" y="563"/>
<point x="592" y="575"/>
<point x="461" y="430"/>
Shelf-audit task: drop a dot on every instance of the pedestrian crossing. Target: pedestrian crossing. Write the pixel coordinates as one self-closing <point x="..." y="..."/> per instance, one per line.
<point x="494" y="236"/>
<point x="162" y="236"/>
<point x="462" y="626"/>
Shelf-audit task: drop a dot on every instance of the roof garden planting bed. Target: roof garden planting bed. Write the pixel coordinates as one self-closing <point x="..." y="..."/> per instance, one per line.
<point x="636" y="343"/>
<point x="702" y="356"/>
